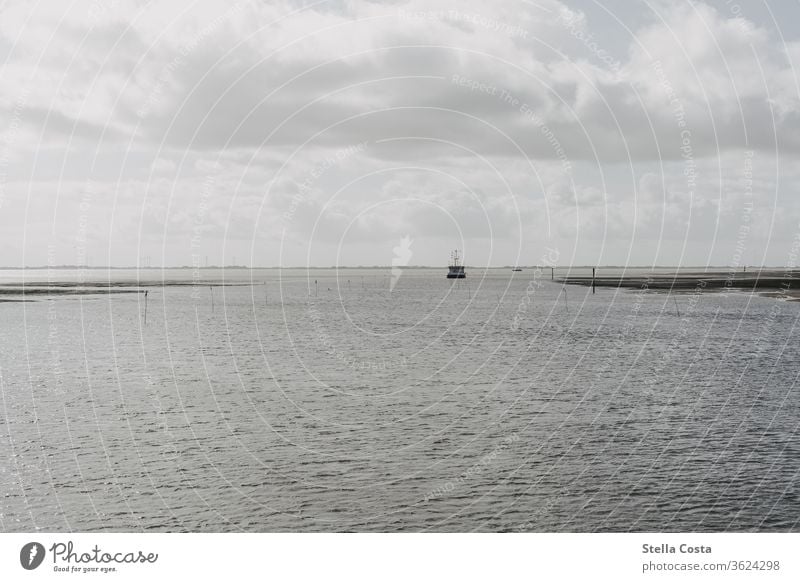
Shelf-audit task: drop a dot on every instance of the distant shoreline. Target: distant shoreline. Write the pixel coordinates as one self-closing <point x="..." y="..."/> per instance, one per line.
<point x="770" y="282"/>
<point x="701" y="268"/>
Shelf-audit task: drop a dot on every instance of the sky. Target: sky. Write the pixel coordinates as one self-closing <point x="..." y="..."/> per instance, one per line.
<point x="288" y="133"/>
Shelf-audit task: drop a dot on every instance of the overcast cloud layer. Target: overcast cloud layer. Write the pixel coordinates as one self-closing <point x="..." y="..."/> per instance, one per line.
<point x="294" y="133"/>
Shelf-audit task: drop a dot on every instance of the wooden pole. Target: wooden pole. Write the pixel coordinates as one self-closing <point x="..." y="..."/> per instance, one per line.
<point x="592" y="280"/>
<point x="552" y="273"/>
<point x="566" y="303"/>
<point x="316" y="288"/>
<point x="211" y="289"/>
<point x="145" y="306"/>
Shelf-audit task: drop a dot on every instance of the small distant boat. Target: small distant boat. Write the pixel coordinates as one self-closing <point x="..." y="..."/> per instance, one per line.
<point x="517" y="269"/>
<point x="455" y="269"/>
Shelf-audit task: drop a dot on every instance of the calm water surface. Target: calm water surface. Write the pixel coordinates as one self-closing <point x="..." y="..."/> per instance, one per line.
<point x="500" y="403"/>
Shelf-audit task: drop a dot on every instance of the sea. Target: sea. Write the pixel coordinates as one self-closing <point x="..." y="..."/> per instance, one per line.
<point x="380" y="400"/>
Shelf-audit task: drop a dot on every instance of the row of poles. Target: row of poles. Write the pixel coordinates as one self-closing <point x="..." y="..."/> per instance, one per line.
<point x="316" y="291"/>
<point x="266" y="294"/>
<point x="469" y="291"/>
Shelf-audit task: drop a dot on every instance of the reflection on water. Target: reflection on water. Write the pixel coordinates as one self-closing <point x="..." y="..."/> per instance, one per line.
<point x="492" y="404"/>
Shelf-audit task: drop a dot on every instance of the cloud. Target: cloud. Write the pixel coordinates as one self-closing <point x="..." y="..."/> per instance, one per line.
<point x="535" y="114"/>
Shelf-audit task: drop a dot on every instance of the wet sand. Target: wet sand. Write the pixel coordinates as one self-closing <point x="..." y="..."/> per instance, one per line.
<point x="782" y="283"/>
<point x="14" y="292"/>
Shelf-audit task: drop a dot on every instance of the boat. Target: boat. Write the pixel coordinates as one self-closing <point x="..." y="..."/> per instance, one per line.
<point x="455" y="269"/>
<point x="517" y="269"/>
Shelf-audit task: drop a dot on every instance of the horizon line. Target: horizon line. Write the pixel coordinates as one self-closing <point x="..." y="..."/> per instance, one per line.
<point x="245" y="267"/>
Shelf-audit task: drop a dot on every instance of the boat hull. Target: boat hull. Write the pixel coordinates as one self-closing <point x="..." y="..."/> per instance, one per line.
<point x="456" y="272"/>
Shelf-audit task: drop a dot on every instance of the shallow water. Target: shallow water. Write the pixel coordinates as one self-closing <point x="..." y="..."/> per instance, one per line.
<point x="499" y="403"/>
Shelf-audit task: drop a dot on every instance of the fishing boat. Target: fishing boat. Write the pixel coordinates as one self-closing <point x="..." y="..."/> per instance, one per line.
<point x="455" y="269"/>
<point x="517" y="269"/>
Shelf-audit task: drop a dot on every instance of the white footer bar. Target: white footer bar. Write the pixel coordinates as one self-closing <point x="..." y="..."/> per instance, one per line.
<point x="379" y="557"/>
